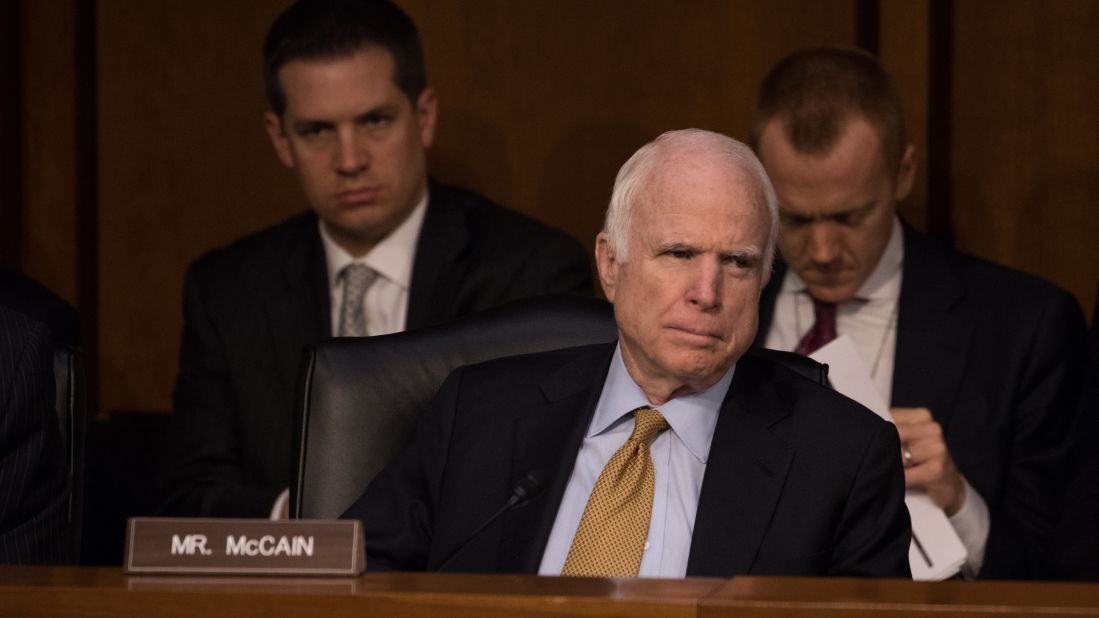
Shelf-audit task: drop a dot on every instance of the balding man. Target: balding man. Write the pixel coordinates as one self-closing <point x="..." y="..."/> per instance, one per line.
<point x="670" y="452"/>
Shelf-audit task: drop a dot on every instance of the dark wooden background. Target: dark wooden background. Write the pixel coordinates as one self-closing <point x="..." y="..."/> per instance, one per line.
<point x="132" y="140"/>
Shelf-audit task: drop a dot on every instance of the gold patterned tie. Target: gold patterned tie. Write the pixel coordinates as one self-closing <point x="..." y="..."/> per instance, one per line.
<point x="611" y="535"/>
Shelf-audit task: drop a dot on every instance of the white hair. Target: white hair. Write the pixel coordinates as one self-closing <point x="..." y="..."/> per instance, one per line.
<point x="640" y="167"/>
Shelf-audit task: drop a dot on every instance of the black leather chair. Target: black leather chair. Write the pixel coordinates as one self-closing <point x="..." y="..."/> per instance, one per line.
<point x="68" y="370"/>
<point x="358" y="399"/>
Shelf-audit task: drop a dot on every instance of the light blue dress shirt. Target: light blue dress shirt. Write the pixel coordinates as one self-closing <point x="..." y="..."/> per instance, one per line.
<point x="679" y="461"/>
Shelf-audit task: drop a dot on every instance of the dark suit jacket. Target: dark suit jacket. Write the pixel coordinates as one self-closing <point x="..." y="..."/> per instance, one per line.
<point x="250" y="308"/>
<point x="33" y="485"/>
<point x="800" y="480"/>
<point x="36" y="301"/>
<point x="995" y="355"/>
<point x="1076" y="540"/>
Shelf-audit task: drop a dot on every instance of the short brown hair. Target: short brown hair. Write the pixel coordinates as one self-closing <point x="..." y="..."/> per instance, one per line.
<point x="814" y="92"/>
<point x="337" y="29"/>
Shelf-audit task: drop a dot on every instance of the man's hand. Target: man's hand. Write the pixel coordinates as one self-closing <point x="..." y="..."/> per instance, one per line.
<point x="927" y="462"/>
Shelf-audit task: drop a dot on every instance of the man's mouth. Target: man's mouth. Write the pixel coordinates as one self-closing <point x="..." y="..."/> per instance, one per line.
<point x="364" y="195"/>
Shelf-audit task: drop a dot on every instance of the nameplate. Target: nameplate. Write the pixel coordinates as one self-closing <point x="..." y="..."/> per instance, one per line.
<point x="244" y="546"/>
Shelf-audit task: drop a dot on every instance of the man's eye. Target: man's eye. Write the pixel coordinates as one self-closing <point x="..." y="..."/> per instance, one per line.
<point x="312" y="131"/>
<point x="739" y="262"/>
<point x="795" y="220"/>
<point x="680" y="254"/>
<point x="849" y="219"/>
<point x="378" y="121"/>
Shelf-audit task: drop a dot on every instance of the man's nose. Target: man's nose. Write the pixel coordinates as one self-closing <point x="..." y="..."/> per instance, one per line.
<point x="352" y="156"/>
<point x="706" y="282"/>
<point x="824" y="246"/>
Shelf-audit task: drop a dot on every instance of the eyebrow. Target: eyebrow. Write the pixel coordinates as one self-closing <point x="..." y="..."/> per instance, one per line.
<point x="385" y="109"/>
<point x="374" y="112"/>
<point x="301" y="125"/>
<point x="858" y="210"/>
<point x="750" y="252"/>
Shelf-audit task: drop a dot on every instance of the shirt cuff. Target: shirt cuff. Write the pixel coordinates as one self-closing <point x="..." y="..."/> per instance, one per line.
<point x="971" y="522"/>
<point x="282" y="505"/>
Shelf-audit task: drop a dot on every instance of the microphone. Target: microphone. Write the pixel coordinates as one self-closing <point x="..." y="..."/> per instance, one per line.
<point x="524" y="491"/>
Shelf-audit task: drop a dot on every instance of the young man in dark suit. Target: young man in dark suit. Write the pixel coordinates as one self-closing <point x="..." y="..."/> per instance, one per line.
<point x="979" y="362"/>
<point x="383" y="249"/>
<point x="670" y="453"/>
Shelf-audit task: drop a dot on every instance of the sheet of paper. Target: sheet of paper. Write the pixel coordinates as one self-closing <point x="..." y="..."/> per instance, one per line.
<point x="936" y="552"/>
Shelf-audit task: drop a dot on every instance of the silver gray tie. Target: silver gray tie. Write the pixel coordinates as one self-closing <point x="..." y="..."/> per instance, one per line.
<point x="357" y="279"/>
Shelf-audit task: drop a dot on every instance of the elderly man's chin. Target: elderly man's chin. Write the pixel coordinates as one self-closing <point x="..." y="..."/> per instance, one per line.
<point x="700" y="366"/>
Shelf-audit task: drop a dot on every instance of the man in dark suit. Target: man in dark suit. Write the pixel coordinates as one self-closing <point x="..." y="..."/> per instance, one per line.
<point x="670" y="453"/>
<point x="383" y="250"/>
<point x="33" y="486"/>
<point x="979" y="362"/>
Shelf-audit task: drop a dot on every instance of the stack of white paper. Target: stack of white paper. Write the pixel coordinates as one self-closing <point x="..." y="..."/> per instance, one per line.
<point x="936" y="552"/>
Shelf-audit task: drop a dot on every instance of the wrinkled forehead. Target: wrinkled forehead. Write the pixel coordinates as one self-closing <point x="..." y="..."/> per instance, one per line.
<point x="718" y="191"/>
<point x="686" y="181"/>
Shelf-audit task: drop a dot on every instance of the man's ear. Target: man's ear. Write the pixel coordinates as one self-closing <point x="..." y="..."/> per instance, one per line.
<point x="607" y="265"/>
<point x="427" y="110"/>
<point x="906" y="174"/>
<point x="275" y="132"/>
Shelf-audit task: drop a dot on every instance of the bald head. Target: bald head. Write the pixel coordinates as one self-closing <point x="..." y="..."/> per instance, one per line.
<point x="654" y="162"/>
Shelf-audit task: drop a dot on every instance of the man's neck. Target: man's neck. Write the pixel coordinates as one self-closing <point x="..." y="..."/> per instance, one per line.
<point x="355" y="246"/>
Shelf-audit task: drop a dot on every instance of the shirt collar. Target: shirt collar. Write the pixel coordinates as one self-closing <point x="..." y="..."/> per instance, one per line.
<point x="886" y="275"/>
<point x="692" y="417"/>
<point x="392" y="257"/>
<point x="884" y="280"/>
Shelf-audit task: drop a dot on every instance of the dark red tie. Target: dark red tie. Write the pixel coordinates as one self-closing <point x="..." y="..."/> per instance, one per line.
<point x="823" y="331"/>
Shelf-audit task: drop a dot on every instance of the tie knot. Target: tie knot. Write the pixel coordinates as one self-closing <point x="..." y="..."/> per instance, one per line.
<point x="358" y="277"/>
<point x="647" y="423"/>
<point x="824" y="309"/>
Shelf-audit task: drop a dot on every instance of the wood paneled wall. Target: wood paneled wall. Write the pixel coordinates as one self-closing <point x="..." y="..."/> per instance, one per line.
<point x="1025" y="147"/>
<point x="540" y="102"/>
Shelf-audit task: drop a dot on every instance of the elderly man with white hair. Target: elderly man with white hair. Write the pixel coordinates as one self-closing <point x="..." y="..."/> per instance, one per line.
<point x="674" y="451"/>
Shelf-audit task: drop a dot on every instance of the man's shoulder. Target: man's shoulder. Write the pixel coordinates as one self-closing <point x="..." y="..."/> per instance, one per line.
<point x="20" y="331"/>
<point x="36" y="301"/>
<point x="985" y="282"/>
<point x="816" y="408"/>
<point x="564" y="368"/>
<point x="491" y="224"/>
<point x="257" y="254"/>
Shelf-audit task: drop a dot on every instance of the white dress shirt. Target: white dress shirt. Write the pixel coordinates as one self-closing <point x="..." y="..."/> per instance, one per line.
<point x="870" y="319"/>
<point x="386" y="301"/>
<point x="679" y="461"/>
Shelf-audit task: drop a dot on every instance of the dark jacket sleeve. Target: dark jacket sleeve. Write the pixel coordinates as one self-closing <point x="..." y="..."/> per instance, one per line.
<point x="201" y="470"/>
<point x="33" y="478"/>
<point x="1022" y="521"/>
<point x="874" y="533"/>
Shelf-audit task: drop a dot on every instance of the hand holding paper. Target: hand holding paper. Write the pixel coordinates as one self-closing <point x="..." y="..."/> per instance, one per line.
<point x="931" y="467"/>
<point x="937" y="552"/>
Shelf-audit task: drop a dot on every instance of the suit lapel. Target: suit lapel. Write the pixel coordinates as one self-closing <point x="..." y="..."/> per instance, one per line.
<point x="744" y="477"/>
<point x="435" y="278"/>
<point x="767" y="302"/>
<point x="932" y="344"/>
<point x="298" y="308"/>
<point x="548" y="439"/>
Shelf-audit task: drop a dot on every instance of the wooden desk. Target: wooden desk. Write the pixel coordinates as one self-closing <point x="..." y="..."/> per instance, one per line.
<point x="106" y="592"/>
